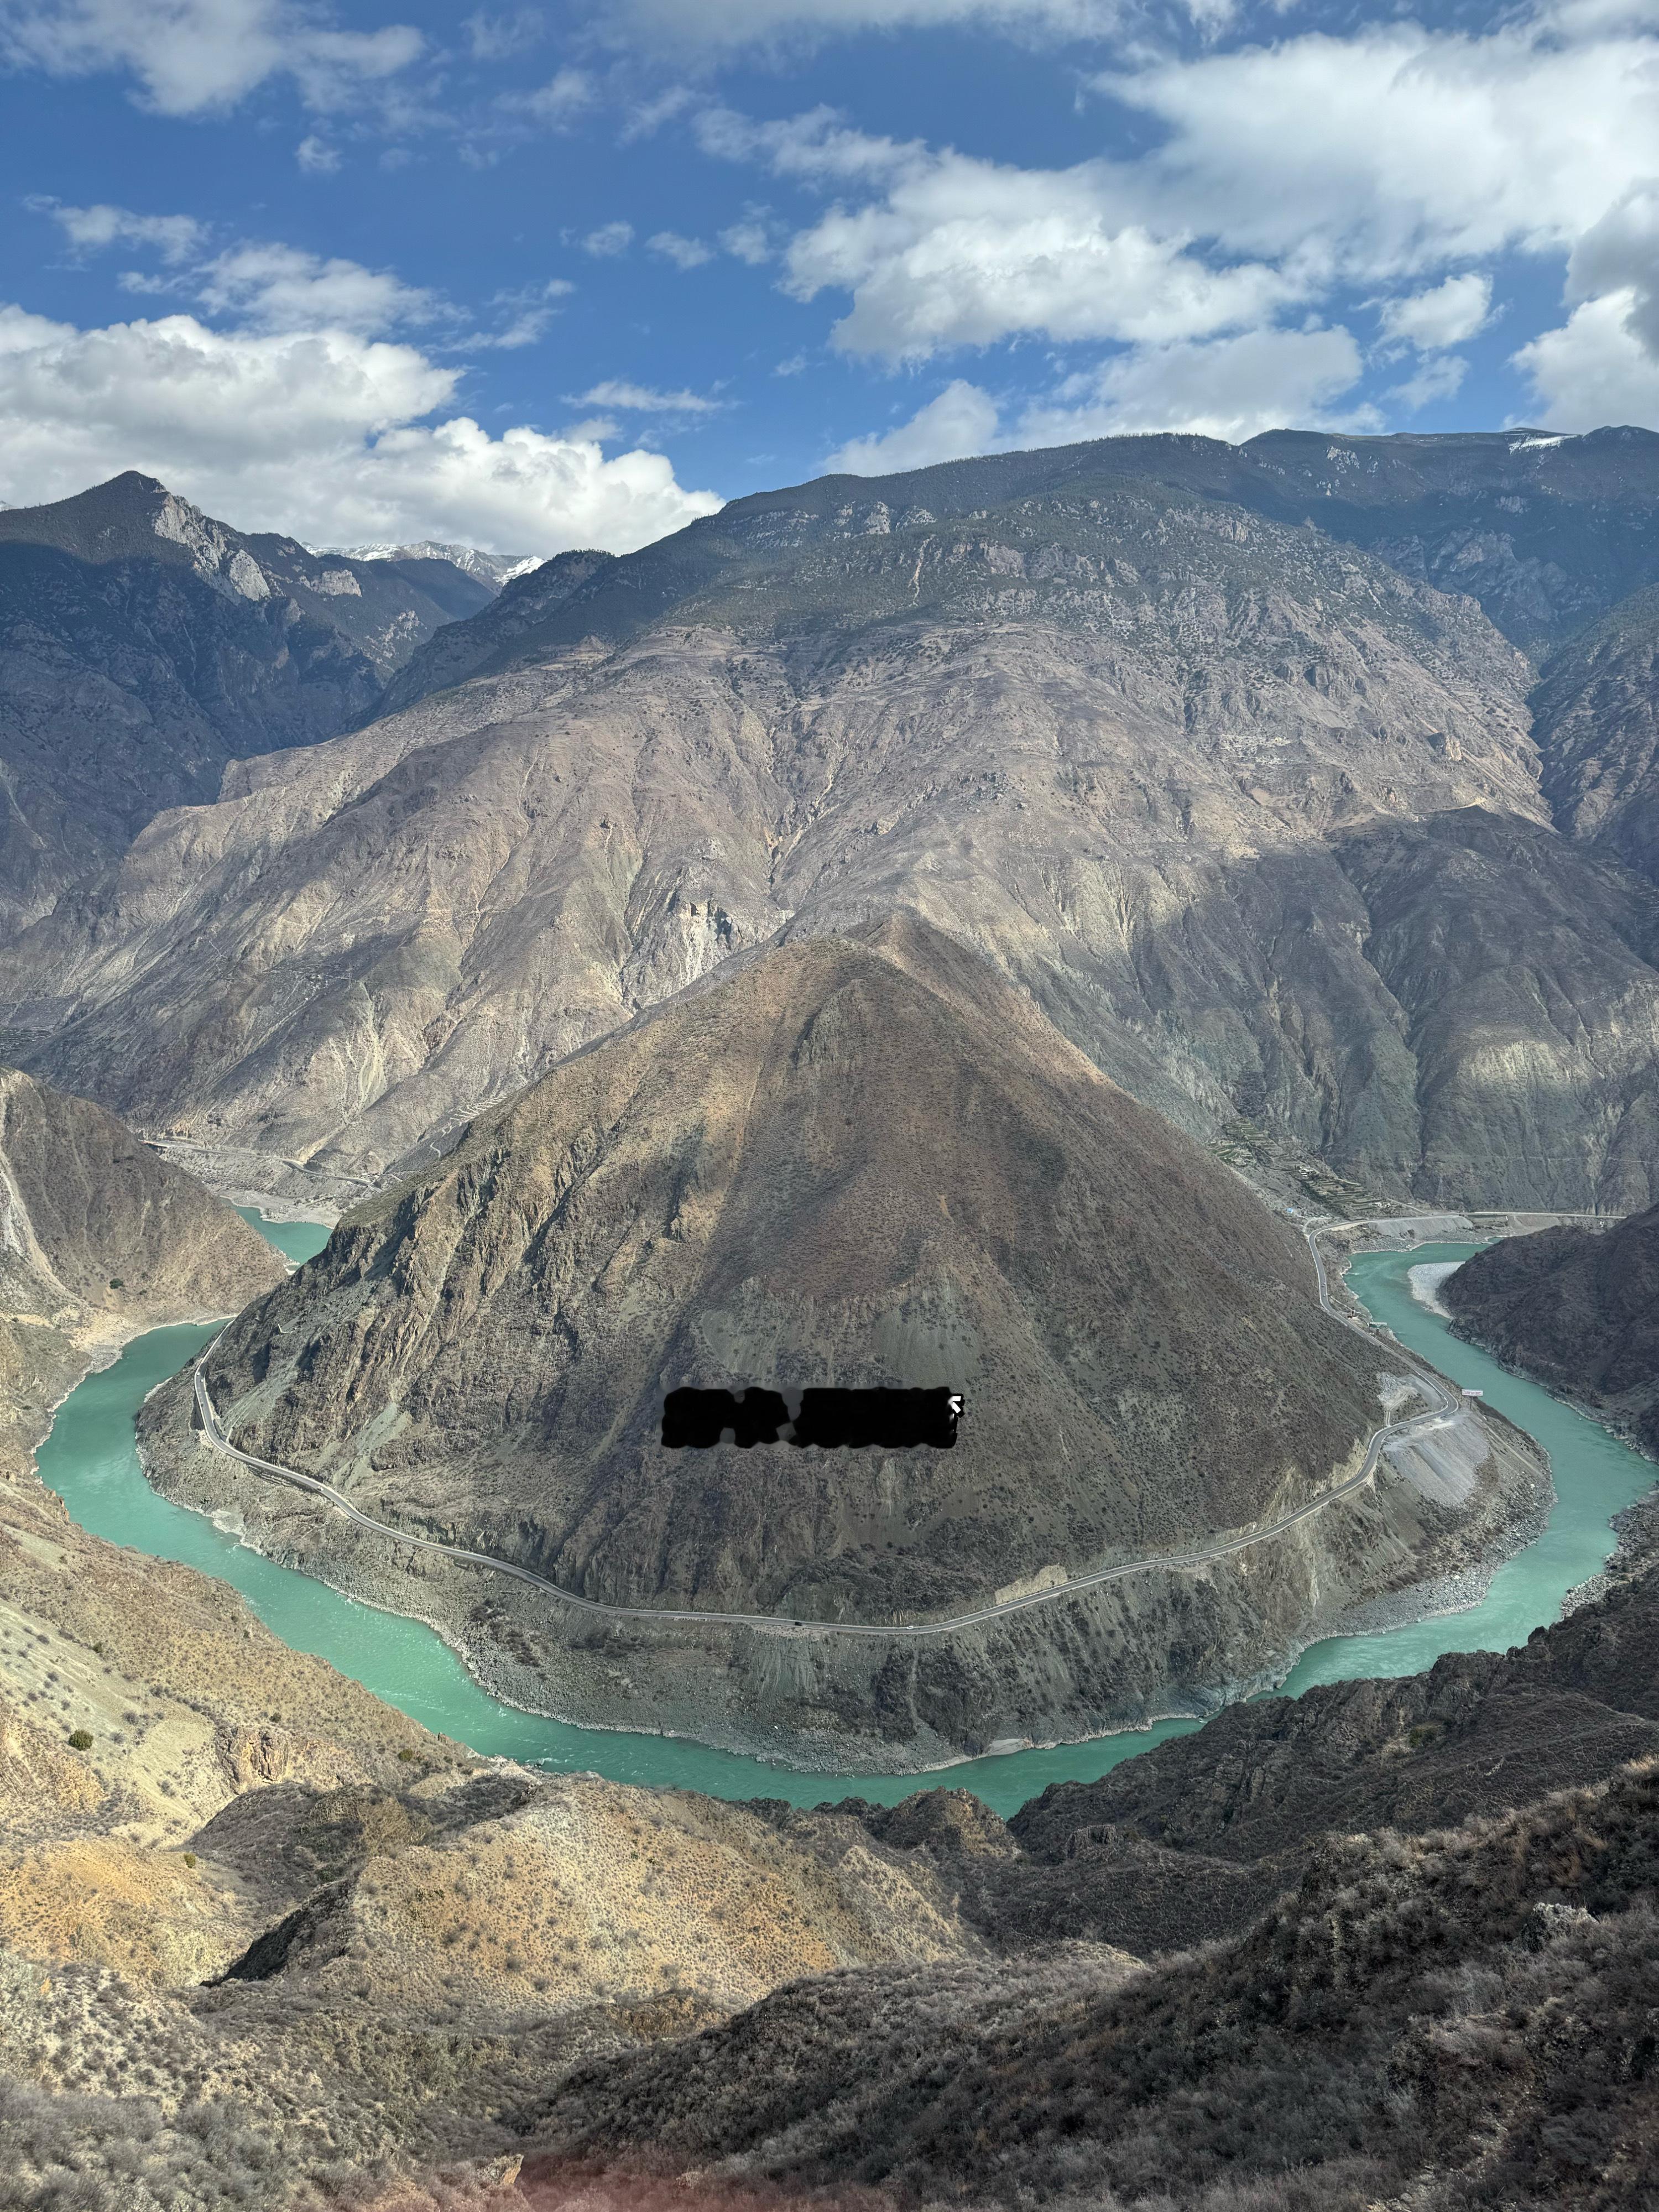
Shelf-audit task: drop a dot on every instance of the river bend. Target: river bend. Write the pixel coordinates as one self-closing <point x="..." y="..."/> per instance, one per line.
<point x="90" y="1460"/>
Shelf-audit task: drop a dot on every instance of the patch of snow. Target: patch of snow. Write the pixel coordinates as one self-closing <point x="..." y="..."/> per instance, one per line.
<point x="1537" y="445"/>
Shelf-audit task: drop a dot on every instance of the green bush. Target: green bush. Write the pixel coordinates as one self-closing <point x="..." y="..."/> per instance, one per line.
<point x="80" y="1741"/>
<point x="117" y="1282"/>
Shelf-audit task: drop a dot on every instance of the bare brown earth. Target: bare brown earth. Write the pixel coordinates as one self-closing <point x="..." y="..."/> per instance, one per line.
<point x="1240" y="806"/>
<point x="848" y="1162"/>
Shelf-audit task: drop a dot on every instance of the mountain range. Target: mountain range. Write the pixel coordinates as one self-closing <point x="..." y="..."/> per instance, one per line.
<point x="1263" y="770"/>
<point x="833" y="946"/>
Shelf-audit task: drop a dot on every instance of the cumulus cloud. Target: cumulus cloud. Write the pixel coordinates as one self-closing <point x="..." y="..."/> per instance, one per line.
<point x="1596" y="369"/>
<point x="176" y="237"/>
<point x="280" y="288"/>
<point x="316" y="156"/>
<point x="1231" y="387"/>
<point x="1444" y="316"/>
<point x="747" y="241"/>
<point x="961" y="251"/>
<point x="1400" y="147"/>
<point x="962" y="420"/>
<point x="190" y="57"/>
<point x="1283" y="178"/>
<point x="609" y="239"/>
<point x="1438" y="376"/>
<point x="683" y="252"/>
<point x="323" y="433"/>
<point x="1620" y="254"/>
<point x="555" y="104"/>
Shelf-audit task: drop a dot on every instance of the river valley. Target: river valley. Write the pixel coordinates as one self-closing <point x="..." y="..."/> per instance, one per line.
<point x="89" y="1460"/>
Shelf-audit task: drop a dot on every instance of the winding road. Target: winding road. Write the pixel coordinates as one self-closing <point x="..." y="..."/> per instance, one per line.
<point x="1445" y="1400"/>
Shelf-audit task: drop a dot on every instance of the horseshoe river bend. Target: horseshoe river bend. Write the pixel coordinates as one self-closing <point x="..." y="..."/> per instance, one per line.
<point x="89" y="1460"/>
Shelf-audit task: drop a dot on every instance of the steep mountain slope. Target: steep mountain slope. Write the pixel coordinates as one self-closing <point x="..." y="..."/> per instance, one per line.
<point x="1461" y="2020"/>
<point x="144" y="645"/>
<point x="448" y="1986"/>
<point x="97" y="1237"/>
<point x="1403" y="1935"/>
<point x="258" y="1931"/>
<point x="1596" y="719"/>
<point x="1579" y="1309"/>
<point x="841" y="1162"/>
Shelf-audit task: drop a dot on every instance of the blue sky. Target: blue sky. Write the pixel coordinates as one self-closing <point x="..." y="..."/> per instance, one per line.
<point x="541" y="276"/>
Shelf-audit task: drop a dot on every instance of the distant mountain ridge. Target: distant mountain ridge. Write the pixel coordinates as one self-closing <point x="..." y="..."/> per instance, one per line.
<point x="1546" y="532"/>
<point x="142" y="645"/>
<point x="1253" y="812"/>
<point x="494" y="569"/>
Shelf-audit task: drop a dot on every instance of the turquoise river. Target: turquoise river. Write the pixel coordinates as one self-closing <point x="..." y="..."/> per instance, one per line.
<point x="89" y="1460"/>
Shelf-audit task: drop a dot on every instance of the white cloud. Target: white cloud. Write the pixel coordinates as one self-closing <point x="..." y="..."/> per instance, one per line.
<point x="192" y="55"/>
<point x="1621" y="253"/>
<point x="683" y="252"/>
<point x="1438" y="376"/>
<point x="557" y="102"/>
<point x="1595" y="369"/>
<point x="1231" y="388"/>
<point x="962" y="420"/>
<point x="747" y="241"/>
<point x="1445" y="316"/>
<point x="640" y="398"/>
<point x="176" y="236"/>
<point x="1287" y="175"/>
<point x="1400" y="148"/>
<point x="279" y="288"/>
<point x="770" y="22"/>
<point x="323" y="433"/>
<point x="316" y="156"/>
<point x="817" y="146"/>
<point x="494" y="38"/>
<point x="962" y="252"/>
<point x="610" y="238"/>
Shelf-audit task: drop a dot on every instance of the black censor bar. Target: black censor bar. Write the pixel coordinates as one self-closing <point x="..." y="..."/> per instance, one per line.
<point x="889" y="1420"/>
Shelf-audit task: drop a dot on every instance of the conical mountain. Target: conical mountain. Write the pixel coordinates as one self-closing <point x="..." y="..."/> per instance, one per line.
<point x="848" y="1162"/>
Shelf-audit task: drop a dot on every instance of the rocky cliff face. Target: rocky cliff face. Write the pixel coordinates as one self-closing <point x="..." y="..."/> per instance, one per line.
<point x="1578" y="1308"/>
<point x="142" y="645"/>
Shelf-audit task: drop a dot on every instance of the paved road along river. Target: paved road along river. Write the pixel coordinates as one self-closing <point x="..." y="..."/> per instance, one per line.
<point x="89" y="1460"/>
